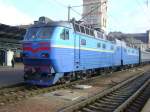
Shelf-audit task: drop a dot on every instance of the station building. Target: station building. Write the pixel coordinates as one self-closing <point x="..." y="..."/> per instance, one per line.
<point x="10" y="46"/>
<point x="140" y="40"/>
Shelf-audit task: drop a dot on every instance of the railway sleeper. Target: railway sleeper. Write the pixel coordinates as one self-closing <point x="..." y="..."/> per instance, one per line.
<point x="121" y="95"/>
<point x="132" y="89"/>
<point x="139" y="101"/>
<point x="116" y="97"/>
<point x="87" y="110"/>
<point x="110" y="100"/>
<point x="107" y="103"/>
<point x="125" y="90"/>
<point x="133" y="109"/>
<point x="130" y="92"/>
<point x="98" y="109"/>
<point x="104" y="105"/>
<point x="104" y="109"/>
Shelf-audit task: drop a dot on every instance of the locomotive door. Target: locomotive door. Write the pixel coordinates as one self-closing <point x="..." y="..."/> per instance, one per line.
<point x="77" y="52"/>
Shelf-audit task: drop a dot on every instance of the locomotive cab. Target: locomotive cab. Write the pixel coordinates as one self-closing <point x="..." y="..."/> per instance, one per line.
<point x="44" y="52"/>
<point x="37" y="53"/>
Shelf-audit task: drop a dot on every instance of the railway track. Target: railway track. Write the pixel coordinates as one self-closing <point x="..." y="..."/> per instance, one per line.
<point x="129" y="96"/>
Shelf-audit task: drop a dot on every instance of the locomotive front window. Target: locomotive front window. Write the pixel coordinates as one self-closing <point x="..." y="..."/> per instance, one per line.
<point x="39" y="33"/>
<point x="44" y="33"/>
<point x="31" y="33"/>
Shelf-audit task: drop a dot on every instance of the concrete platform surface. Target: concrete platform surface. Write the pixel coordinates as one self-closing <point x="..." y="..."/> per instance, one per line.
<point x="66" y="94"/>
<point x="146" y="107"/>
<point x="10" y="76"/>
<point x="82" y="86"/>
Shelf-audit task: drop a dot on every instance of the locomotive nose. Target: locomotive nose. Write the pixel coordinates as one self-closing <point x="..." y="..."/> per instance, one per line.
<point x="38" y="50"/>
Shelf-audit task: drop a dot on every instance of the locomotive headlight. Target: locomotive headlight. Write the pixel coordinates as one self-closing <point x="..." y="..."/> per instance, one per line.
<point x="45" y="55"/>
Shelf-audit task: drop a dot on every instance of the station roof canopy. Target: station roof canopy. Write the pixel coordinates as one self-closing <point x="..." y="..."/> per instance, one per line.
<point x="10" y="36"/>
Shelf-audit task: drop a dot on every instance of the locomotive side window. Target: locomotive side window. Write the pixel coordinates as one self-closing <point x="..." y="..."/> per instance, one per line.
<point x="65" y="34"/>
<point x="104" y="46"/>
<point x="98" y="45"/>
<point x="83" y="42"/>
<point x="82" y="29"/>
<point x="77" y="28"/>
<point x="87" y="31"/>
<point x="62" y="35"/>
<point x="91" y="32"/>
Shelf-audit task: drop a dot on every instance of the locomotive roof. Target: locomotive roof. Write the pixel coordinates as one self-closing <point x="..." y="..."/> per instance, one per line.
<point x="56" y="23"/>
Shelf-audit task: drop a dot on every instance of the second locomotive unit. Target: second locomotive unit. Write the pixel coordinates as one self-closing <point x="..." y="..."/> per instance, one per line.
<point x="56" y="51"/>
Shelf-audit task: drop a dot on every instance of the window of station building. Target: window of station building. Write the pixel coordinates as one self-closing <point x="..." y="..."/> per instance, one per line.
<point x="65" y="34"/>
<point x="98" y="45"/>
<point x="83" y="42"/>
<point x="77" y="28"/>
<point x="82" y="29"/>
<point x="104" y="46"/>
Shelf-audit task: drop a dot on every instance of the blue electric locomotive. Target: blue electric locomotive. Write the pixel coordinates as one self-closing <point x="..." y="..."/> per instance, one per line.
<point x="54" y="51"/>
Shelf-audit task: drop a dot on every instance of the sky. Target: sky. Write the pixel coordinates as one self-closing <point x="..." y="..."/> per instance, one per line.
<point x="128" y="16"/>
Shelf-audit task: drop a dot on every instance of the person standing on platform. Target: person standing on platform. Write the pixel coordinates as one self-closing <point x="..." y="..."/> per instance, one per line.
<point x="13" y="62"/>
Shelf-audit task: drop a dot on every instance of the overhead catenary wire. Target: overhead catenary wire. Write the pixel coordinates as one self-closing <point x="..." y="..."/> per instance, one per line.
<point x="76" y="11"/>
<point x="59" y="3"/>
<point x="72" y="8"/>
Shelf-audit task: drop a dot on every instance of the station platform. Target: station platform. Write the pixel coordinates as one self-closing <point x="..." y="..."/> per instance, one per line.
<point x="10" y="76"/>
<point x="146" y="107"/>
